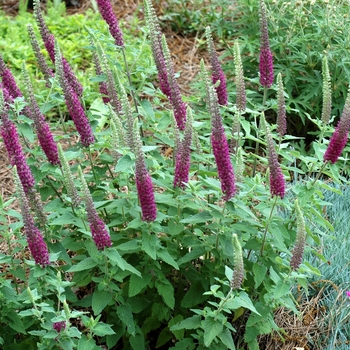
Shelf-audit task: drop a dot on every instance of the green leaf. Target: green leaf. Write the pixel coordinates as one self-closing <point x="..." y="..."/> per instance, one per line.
<point x="175" y="228"/>
<point x="27" y="131"/>
<point x="149" y="242"/>
<point x="203" y="216"/>
<point x="241" y="300"/>
<point x="137" y="342"/>
<point x="85" y="264"/>
<point x="194" y="296"/>
<point x="65" y="219"/>
<point x="125" y="315"/>
<point x="180" y="333"/>
<point x="184" y="344"/>
<point x="166" y="257"/>
<point x="15" y="322"/>
<point x="131" y="268"/>
<point x="148" y="112"/>
<point x="282" y="288"/>
<point x="192" y="322"/>
<point x="226" y="338"/>
<point x="115" y="257"/>
<point x="102" y="329"/>
<point x="212" y="328"/>
<point x="86" y="344"/>
<point x="259" y="272"/>
<point x="137" y="283"/>
<point x="195" y="253"/>
<point x="100" y="299"/>
<point x="124" y="164"/>
<point x="166" y="290"/>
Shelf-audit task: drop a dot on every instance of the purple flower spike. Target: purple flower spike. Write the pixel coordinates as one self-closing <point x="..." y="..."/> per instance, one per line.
<point x="340" y="135"/>
<point x="218" y="74"/>
<point x="219" y="141"/>
<point x="277" y="181"/>
<point x="145" y="191"/>
<point x="74" y="106"/>
<point x="98" y="228"/>
<point x="183" y="156"/>
<point x="59" y="326"/>
<point x="99" y="232"/>
<point x="49" y="42"/>
<point x="266" y="59"/>
<point x="14" y="150"/>
<point x="108" y="15"/>
<point x="43" y="131"/>
<point x="36" y="244"/>
<point x="223" y="163"/>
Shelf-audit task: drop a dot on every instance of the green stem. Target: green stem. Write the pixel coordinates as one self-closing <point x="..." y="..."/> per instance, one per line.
<point x="223" y="302"/>
<point x="92" y="165"/>
<point x="131" y="89"/>
<point x="267" y="225"/>
<point x="319" y="173"/>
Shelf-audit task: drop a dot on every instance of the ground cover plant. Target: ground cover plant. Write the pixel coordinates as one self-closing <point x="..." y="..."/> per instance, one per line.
<point x="149" y="219"/>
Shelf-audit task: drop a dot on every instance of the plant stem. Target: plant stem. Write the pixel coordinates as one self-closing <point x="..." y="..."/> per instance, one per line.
<point x="319" y="173"/>
<point x="223" y="302"/>
<point x="267" y="225"/>
<point x="131" y="89"/>
<point x="92" y="165"/>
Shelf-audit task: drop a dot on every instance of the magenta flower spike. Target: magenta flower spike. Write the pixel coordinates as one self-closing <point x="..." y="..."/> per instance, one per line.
<point x="43" y="131"/>
<point x="219" y="141"/>
<point x="74" y="106"/>
<point x="98" y="228"/>
<point x="14" y="149"/>
<point x="340" y="135"/>
<point x="145" y="190"/>
<point x="156" y="46"/>
<point x="175" y="97"/>
<point x="49" y="42"/>
<point x="108" y="15"/>
<point x="277" y="181"/>
<point x="36" y="244"/>
<point x="266" y="58"/>
<point x="218" y="75"/>
<point x="9" y="83"/>
<point x="183" y="155"/>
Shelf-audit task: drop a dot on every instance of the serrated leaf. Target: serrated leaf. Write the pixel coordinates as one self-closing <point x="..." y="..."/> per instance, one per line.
<point x="192" y="322"/>
<point x="124" y="164"/>
<point x="226" y="338"/>
<point x="102" y="329"/>
<point x="147" y="109"/>
<point x="259" y="272"/>
<point x="85" y="264"/>
<point x="131" y="268"/>
<point x="193" y="296"/>
<point x="137" y="342"/>
<point x="115" y="257"/>
<point x="149" y="242"/>
<point x="281" y="289"/>
<point x="15" y="322"/>
<point x="100" y="299"/>
<point x="166" y="291"/>
<point x="125" y="315"/>
<point x="184" y="344"/>
<point x="203" y="216"/>
<point x="166" y="257"/>
<point x="65" y="219"/>
<point x="241" y="300"/>
<point x="137" y="283"/>
<point x="86" y="344"/>
<point x="212" y="328"/>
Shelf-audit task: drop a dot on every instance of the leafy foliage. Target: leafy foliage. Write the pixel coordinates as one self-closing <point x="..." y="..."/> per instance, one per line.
<point x="165" y="283"/>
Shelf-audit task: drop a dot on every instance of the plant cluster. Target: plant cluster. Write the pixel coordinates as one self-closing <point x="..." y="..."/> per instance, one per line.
<point x="147" y="221"/>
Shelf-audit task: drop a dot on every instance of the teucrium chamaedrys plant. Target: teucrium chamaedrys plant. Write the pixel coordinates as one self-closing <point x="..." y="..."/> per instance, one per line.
<point x="165" y="267"/>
